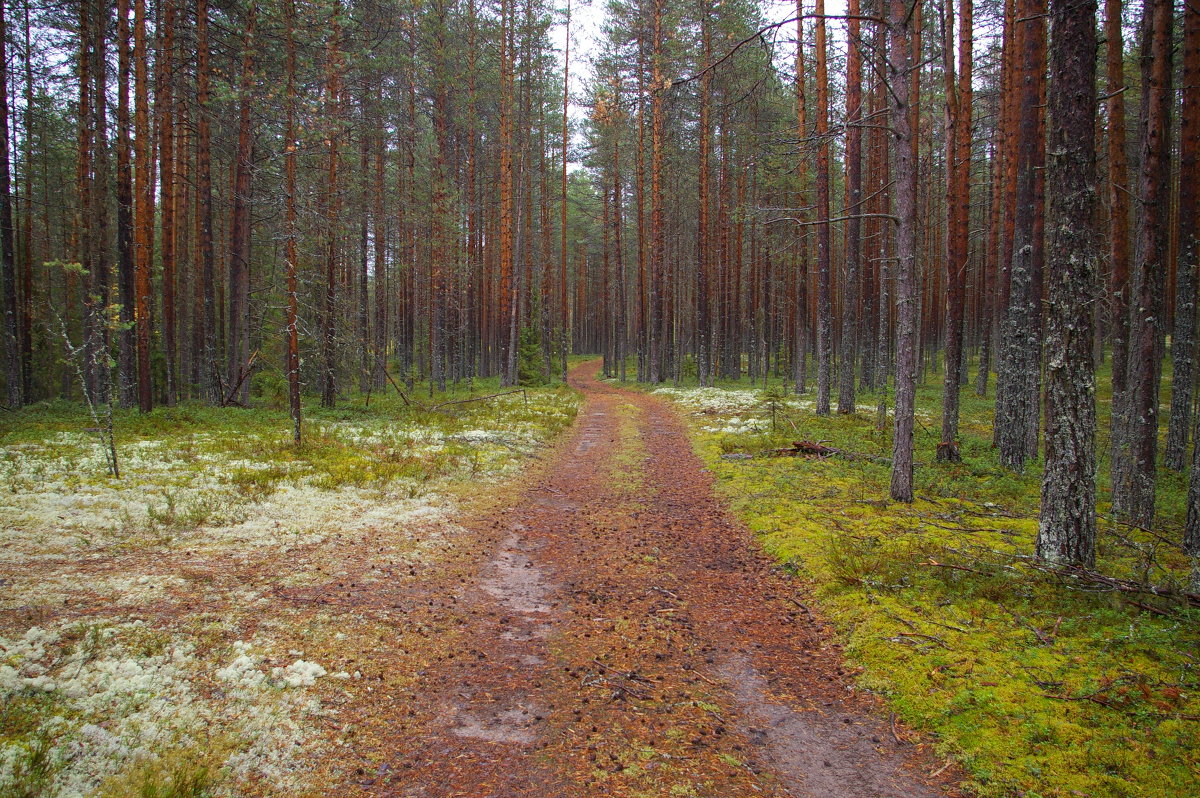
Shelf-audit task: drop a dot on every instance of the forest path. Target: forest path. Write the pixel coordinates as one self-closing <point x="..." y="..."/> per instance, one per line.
<point x="620" y="634"/>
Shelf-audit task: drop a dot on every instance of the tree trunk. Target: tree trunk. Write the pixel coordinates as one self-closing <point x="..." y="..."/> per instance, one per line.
<point x="1135" y="471"/>
<point x="800" y="310"/>
<point x="165" y="107"/>
<point x="379" y="231"/>
<point x="1008" y="181"/>
<point x="12" y="342"/>
<point x="1017" y="404"/>
<point x="127" y="336"/>
<point x="508" y="306"/>
<point x="703" y="322"/>
<point x="1067" y="526"/>
<point x="904" y="194"/>
<point x="26" y="310"/>
<point x="144" y="208"/>
<point x="333" y="93"/>
<point x="209" y="378"/>
<point x="958" y="169"/>
<point x="883" y="227"/>
<point x="292" y="359"/>
<point x="238" y="347"/>
<point x="99" y="273"/>
<point x="854" y="98"/>
<point x="1118" y="213"/>
<point x="562" y="265"/>
<point x="658" y="252"/>
<point x="1183" y="336"/>
<point x="824" y="256"/>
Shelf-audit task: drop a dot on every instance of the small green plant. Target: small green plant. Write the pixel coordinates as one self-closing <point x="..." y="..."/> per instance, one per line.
<point x="774" y="401"/>
<point x="32" y="766"/>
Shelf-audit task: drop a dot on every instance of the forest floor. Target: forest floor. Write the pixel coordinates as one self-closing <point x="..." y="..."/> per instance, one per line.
<point x="614" y="632"/>
<point x="596" y="625"/>
<point x="585" y="590"/>
<point x="1036" y="681"/>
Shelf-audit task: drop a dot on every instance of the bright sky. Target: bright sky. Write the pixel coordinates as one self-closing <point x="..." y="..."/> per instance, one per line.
<point x="587" y="22"/>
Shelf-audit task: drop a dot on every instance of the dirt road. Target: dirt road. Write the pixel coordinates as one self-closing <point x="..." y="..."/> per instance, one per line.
<point x="619" y="634"/>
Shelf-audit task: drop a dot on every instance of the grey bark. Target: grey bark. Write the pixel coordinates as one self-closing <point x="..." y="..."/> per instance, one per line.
<point x="904" y="205"/>
<point x="1067" y="525"/>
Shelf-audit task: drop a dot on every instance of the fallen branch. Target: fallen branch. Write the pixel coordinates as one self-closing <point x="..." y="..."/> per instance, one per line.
<point x="807" y="611"/>
<point x="1041" y="636"/>
<point x="407" y="402"/>
<point x="482" y="398"/>
<point x="242" y="374"/>
<point x="1113" y="584"/>
<point x="895" y="735"/>
<point x="937" y="564"/>
<point x="821" y="451"/>
<point x="931" y="638"/>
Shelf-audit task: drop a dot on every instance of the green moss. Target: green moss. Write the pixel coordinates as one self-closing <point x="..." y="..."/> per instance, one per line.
<point x="628" y="473"/>
<point x="182" y="772"/>
<point x="1035" y="687"/>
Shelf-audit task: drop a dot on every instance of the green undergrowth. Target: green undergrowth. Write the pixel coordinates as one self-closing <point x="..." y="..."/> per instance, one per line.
<point x="1038" y="684"/>
<point x="192" y="466"/>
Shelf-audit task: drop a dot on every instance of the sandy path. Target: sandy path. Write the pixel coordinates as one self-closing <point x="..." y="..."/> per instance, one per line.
<point x="619" y="634"/>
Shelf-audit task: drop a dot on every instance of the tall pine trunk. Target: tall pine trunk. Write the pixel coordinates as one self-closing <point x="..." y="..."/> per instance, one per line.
<point x="848" y="351"/>
<point x="507" y="315"/>
<point x="564" y="318"/>
<point x="1118" y="212"/>
<point x="958" y="169"/>
<point x="658" y="244"/>
<point x="292" y="358"/>
<point x="127" y="336"/>
<point x="904" y="207"/>
<point x="1067" y="526"/>
<point x="12" y="347"/>
<point x="238" y="347"/>
<point x="824" y="256"/>
<point x="1017" y="403"/>
<point x="1135" y="469"/>
<point x="1183" y="336"/>
<point x="206" y="320"/>
<point x="332" y="111"/>
<point x="144" y="207"/>
<point x="165" y="108"/>
<point x="800" y="308"/>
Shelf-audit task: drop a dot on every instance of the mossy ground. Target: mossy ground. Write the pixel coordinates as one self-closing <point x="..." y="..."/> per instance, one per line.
<point x="223" y="556"/>
<point x="1035" y="686"/>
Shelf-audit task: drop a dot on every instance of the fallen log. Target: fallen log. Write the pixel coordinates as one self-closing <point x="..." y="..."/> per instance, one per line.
<point x="821" y="451"/>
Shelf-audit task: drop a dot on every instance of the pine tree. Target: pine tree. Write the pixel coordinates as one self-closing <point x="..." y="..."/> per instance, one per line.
<point x="1067" y="525"/>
